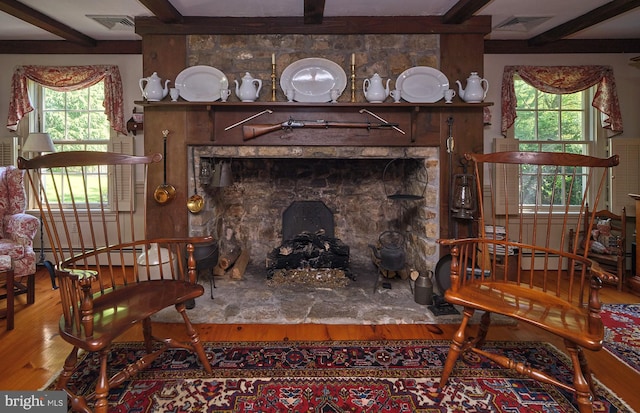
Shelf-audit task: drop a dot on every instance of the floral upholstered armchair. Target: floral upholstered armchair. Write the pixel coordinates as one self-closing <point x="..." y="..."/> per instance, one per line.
<point x="17" y="230"/>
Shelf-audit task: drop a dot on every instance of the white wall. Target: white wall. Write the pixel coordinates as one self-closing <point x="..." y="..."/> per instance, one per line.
<point x="130" y="70"/>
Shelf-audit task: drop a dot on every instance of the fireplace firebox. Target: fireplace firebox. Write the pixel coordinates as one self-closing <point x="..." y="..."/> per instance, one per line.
<point x="280" y="193"/>
<point x="309" y="245"/>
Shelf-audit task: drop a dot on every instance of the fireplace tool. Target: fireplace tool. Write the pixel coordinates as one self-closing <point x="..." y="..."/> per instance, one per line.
<point x="195" y="203"/>
<point x="443" y="267"/>
<point x="165" y="192"/>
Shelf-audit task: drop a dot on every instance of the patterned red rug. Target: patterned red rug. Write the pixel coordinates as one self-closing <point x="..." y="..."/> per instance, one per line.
<point x="389" y="376"/>
<point x="622" y="332"/>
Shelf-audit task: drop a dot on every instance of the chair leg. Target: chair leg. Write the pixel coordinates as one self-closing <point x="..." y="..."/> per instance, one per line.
<point x="69" y="366"/>
<point x="581" y="385"/>
<point x="586" y="371"/>
<point x="31" y="288"/>
<point x="456" y="348"/>
<point x="195" y="338"/>
<point x="102" y="385"/>
<point x="146" y="333"/>
<point x="621" y="274"/>
<point x="10" y="300"/>
<point x="483" y="329"/>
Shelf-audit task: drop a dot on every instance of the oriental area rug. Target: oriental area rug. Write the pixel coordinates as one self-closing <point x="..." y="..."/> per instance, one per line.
<point x="332" y="377"/>
<point x="622" y="332"/>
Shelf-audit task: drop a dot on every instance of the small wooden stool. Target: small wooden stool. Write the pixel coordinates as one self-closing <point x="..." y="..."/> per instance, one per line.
<point x="6" y="281"/>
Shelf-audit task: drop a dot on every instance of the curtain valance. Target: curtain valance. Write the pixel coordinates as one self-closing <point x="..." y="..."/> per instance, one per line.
<point x="66" y="79"/>
<point x="562" y="80"/>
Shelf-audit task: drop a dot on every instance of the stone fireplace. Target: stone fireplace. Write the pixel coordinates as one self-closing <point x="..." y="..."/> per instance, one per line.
<point x="276" y="169"/>
<point x="348" y="180"/>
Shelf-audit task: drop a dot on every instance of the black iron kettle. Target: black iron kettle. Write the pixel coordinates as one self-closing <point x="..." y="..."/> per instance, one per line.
<point x="391" y="251"/>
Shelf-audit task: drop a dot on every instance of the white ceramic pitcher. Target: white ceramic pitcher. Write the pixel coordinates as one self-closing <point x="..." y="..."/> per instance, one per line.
<point x="476" y="90"/>
<point x="153" y="90"/>
<point x="374" y="92"/>
<point x="249" y="90"/>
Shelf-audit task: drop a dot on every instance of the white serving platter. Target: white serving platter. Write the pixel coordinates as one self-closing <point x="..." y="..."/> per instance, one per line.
<point x="422" y="84"/>
<point x="312" y="79"/>
<point x="201" y="83"/>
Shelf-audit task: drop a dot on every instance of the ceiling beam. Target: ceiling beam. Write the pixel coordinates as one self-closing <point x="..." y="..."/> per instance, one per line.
<point x="490" y="47"/>
<point x="35" y="18"/>
<point x="463" y="10"/>
<point x="296" y="25"/>
<point x="163" y="10"/>
<point x="595" y="16"/>
<point x="563" y="46"/>
<point x="313" y="11"/>
<point x="62" y="47"/>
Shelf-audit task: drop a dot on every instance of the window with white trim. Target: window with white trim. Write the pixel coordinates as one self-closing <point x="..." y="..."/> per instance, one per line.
<point x="550" y="122"/>
<point x="76" y="121"/>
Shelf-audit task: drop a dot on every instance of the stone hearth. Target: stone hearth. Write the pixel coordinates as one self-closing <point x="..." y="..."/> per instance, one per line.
<point x="253" y="300"/>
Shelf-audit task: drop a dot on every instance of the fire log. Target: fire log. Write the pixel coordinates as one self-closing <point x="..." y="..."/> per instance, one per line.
<point x="226" y="262"/>
<point x="240" y="266"/>
<point x="230" y="250"/>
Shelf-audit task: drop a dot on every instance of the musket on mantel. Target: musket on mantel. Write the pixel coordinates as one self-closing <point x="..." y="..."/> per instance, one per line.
<point x="254" y="131"/>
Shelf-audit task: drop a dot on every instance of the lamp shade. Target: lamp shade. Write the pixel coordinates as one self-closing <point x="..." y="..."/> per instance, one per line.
<point x="38" y="142"/>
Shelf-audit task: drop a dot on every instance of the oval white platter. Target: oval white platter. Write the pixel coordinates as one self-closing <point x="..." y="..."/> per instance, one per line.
<point x="312" y="79"/>
<point x="422" y="84"/>
<point x="201" y="83"/>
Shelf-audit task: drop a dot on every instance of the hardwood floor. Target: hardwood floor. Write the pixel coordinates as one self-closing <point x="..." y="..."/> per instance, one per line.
<point x="33" y="352"/>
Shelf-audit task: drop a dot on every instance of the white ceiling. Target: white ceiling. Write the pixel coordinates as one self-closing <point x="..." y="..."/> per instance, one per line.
<point x="73" y="13"/>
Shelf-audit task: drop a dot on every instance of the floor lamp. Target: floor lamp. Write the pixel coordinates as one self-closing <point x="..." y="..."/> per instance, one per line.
<point x="38" y="143"/>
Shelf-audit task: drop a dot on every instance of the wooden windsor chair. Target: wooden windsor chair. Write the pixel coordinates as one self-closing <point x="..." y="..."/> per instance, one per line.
<point x="110" y="276"/>
<point x="534" y="197"/>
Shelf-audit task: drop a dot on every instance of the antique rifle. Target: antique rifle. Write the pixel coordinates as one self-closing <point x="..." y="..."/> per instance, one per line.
<point x="253" y="131"/>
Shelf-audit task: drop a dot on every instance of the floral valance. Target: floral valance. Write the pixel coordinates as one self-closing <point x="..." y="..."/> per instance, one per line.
<point x="66" y="79"/>
<point x="561" y="80"/>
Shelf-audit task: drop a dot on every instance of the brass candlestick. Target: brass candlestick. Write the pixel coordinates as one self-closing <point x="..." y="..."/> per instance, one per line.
<point x="353" y="82"/>
<point x="273" y="82"/>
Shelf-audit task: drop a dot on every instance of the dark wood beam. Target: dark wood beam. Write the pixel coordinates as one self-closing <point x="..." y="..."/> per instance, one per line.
<point x="490" y="47"/>
<point x="296" y="25"/>
<point x="313" y="11"/>
<point x="595" y="16"/>
<point x="563" y="46"/>
<point x="65" y="47"/>
<point x="34" y="17"/>
<point x="463" y="10"/>
<point x="163" y="10"/>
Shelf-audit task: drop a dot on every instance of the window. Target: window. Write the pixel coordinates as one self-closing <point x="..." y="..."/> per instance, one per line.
<point x="76" y="121"/>
<point x="552" y="123"/>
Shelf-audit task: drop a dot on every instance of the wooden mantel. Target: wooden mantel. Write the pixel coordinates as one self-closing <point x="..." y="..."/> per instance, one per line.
<point x="200" y="124"/>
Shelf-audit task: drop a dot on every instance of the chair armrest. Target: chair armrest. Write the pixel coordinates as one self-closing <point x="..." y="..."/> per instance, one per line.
<point x="600" y="273"/>
<point x="21" y="228"/>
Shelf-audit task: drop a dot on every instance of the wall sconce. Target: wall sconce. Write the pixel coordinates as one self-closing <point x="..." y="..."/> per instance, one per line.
<point x="463" y="196"/>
